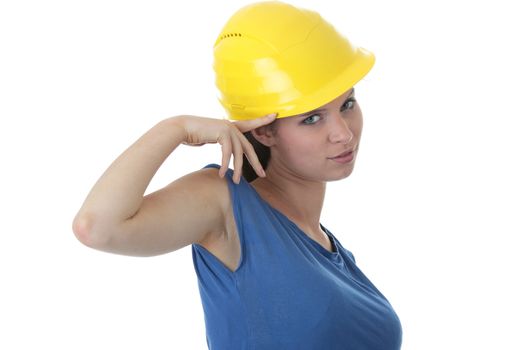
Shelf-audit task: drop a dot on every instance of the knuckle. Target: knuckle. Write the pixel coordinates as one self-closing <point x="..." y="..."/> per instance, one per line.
<point x="223" y="126"/>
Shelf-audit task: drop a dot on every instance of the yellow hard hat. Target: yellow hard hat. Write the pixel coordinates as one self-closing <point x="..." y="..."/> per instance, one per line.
<point x="274" y="57"/>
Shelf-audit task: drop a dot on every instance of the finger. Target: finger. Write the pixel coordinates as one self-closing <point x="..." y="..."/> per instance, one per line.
<point x="247" y="125"/>
<point x="226" y="155"/>
<point x="237" y="159"/>
<point x="251" y="155"/>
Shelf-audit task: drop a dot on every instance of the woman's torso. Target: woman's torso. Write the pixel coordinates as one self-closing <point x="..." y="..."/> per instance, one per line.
<point x="282" y="289"/>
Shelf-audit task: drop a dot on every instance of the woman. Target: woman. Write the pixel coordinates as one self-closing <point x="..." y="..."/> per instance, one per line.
<point x="271" y="276"/>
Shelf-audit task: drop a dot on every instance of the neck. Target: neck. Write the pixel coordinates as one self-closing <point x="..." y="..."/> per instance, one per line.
<point x="300" y="199"/>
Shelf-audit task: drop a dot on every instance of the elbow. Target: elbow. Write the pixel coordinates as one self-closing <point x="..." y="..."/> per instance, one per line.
<point x="83" y="228"/>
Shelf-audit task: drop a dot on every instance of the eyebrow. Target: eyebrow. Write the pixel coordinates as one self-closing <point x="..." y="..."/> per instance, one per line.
<point x="324" y="109"/>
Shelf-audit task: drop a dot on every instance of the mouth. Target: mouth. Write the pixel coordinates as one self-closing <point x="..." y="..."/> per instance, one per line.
<point x="345" y="157"/>
<point x="344" y="154"/>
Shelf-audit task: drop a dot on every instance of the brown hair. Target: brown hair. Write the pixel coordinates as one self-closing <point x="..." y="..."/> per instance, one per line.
<point x="263" y="154"/>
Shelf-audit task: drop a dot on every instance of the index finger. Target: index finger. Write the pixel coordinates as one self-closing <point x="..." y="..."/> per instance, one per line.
<point x="247" y="125"/>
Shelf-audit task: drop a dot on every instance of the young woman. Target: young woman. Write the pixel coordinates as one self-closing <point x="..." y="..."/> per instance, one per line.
<point x="271" y="276"/>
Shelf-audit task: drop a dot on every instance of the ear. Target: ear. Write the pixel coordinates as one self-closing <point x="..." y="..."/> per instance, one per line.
<point x="264" y="134"/>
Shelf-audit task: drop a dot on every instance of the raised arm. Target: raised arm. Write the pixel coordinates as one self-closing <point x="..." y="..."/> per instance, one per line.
<point x="118" y="218"/>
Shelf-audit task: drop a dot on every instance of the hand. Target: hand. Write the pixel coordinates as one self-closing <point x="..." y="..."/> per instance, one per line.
<point x="200" y="130"/>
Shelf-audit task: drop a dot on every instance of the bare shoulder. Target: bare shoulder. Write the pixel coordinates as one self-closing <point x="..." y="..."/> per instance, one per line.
<point x="202" y="195"/>
<point x="208" y="184"/>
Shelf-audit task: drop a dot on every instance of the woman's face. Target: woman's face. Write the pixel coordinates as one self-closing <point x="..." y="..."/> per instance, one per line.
<point x="308" y="145"/>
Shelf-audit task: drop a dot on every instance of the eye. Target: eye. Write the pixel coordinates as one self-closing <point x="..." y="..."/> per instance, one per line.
<point x="311" y="119"/>
<point x="346" y="104"/>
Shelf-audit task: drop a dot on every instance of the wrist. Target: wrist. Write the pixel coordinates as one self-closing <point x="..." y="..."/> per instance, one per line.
<point x="177" y="124"/>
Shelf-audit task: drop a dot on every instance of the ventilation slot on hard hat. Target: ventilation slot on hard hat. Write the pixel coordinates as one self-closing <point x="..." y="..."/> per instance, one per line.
<point x="229" y="35"/>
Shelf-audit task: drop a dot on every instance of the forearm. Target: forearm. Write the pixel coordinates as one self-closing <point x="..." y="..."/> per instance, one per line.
<point x="118" y="193"/>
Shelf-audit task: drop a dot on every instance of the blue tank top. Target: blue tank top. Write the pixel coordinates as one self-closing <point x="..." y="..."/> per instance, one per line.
<point x="288" y="291"/>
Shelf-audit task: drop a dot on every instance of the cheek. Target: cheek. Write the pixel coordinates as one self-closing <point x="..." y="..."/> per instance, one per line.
<point x="355" y="124"/>
<point x="357" y="128"/>
<point x="359" y="121"/>
<point x="296" y="145"/>
<point x="301" y="151"/>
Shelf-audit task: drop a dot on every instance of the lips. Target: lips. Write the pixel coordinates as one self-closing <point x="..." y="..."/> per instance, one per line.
<point x="345" y="153"/>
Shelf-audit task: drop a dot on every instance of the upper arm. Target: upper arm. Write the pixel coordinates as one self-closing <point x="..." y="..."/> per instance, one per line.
<point x="187" y="211"/>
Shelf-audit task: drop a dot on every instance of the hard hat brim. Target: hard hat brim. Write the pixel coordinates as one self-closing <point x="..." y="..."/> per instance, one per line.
<point x="356" y="70"/>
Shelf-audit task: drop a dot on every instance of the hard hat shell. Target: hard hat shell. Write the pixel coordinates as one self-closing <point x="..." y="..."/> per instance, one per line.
<point x="274" y="57"/>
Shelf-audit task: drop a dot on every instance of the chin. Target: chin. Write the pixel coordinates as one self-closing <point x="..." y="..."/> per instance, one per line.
<point x="342" y="173"/>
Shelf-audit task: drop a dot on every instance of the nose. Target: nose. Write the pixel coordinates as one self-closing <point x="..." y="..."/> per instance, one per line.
<point x="340" y="131"/>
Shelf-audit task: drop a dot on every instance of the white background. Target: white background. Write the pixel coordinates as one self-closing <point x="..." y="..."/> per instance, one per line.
<point x="433" y="211"/>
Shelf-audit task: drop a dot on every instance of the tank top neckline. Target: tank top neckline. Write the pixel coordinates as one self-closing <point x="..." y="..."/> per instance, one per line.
<point x="298" y="230"/>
